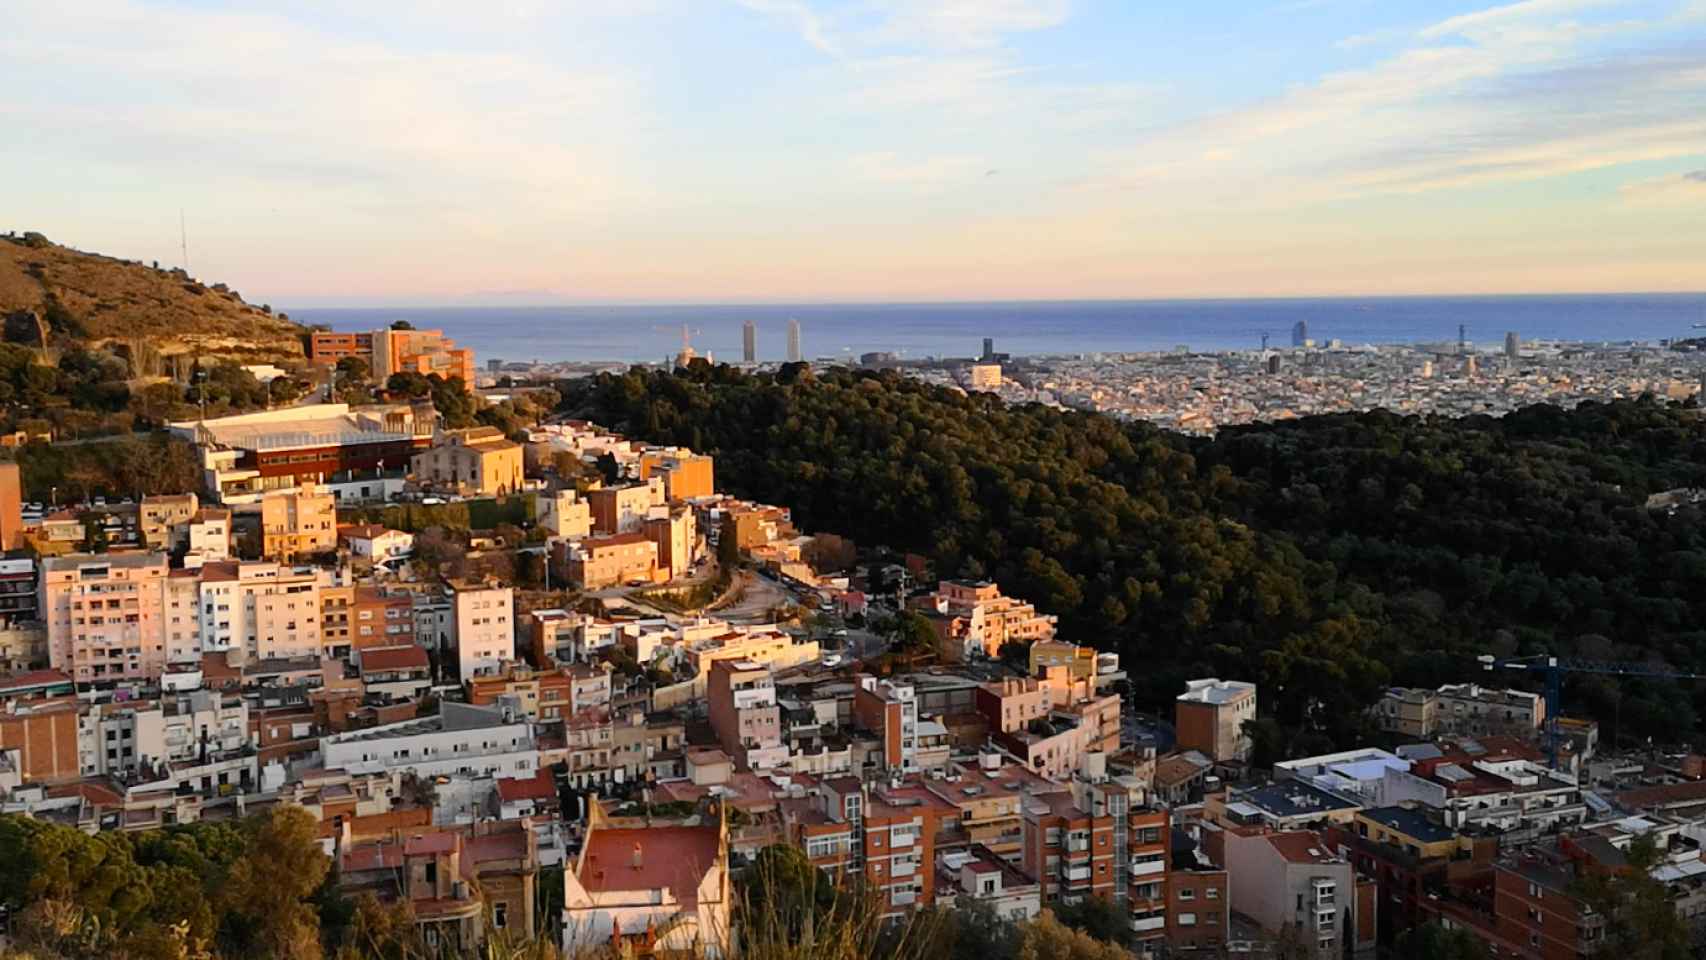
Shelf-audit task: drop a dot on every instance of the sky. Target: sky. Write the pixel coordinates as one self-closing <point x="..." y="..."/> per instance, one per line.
<point x="422" y="152"/>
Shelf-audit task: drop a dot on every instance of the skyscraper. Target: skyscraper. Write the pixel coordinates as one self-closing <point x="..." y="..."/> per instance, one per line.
<point x="1300" y="333"/>
<point x="749" y="342"/>
<point x="1512" y="346"/>
<point x="794" y="355"/>
<point x="988" y="348"/>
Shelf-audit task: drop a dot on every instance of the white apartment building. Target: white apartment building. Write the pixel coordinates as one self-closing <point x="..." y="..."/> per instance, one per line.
<point x="484" y="634"/>
<point x="462" y="739"/>
<point x="262" y="610"/>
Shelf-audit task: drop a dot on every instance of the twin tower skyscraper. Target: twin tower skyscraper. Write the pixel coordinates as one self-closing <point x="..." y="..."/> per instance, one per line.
<point x="749" y="342"/>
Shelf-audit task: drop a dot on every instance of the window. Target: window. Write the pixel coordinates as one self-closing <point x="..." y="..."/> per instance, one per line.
<point x="1187" y="919"/>
<point x="1186" y="893"/>
<point x="1212" y="893"/>
<point x="500" y="915"/>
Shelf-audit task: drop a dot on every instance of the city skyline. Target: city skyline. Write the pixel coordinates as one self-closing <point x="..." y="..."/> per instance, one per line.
<point x="803" y="151"/>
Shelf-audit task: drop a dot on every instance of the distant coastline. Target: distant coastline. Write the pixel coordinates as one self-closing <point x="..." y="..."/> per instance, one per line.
<point x="637" y="333"/>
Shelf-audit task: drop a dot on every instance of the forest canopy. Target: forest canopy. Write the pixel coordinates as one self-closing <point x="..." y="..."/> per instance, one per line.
<point x="1327" y="557"/>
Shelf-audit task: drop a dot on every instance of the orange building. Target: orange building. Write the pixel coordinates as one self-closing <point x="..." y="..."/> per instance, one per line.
<point x="298" y="523"/>
<point x="686" y="475"/>
<point x="11" y="507"/>
<point x="425" y="352"/>
<point x="380" y="619"/>
<point x="899" y="849"/>
<point x="599" y="562"/>
<point x="44" y="734"/>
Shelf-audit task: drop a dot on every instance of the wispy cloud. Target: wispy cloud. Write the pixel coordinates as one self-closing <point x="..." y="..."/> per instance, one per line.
<point x="1496" y="95"/>
<point x="1667" y="191"/>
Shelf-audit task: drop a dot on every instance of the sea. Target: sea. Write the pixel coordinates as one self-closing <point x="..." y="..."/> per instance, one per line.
<point x="917" y="331"/>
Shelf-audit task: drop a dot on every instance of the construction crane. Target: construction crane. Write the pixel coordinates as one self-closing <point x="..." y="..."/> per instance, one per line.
<point x="1553" y="670"/>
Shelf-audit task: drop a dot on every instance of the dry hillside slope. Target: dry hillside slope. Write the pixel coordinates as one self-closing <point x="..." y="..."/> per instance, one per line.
<point x="118" y="300"/>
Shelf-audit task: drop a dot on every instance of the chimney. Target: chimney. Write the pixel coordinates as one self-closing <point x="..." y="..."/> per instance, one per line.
<point x="639" y="857"/>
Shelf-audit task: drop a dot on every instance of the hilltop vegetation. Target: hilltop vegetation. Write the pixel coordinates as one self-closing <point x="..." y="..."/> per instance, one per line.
<point x="1326" y="558"/>
<point x="95" y="301"/>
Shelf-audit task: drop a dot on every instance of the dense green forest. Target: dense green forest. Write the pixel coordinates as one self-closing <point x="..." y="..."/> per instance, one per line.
<point x="1325" y="558"/>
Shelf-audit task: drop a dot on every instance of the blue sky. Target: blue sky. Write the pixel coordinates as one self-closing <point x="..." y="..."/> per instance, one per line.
<point x="730" y="150"/>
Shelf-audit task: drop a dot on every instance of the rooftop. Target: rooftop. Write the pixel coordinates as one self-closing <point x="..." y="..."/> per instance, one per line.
<point x="1294" y="799"/>
<point x="655" y="858"/>
<point x="1216" y="691"/>
<point x="1411" y="823"/>
<point x="1301" y="846"/>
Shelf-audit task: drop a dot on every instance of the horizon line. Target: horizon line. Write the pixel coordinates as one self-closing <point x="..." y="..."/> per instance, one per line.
<point x="739" y="304"/>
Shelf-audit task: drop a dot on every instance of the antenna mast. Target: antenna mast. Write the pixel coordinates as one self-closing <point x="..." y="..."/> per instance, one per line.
<point x="183" y="240"/>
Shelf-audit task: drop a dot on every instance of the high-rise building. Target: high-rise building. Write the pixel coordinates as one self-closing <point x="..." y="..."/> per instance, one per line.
<point x="1273" y="363"/>
<point x="1300" y="333"/>
<point x="1512" y="346"/>
<point x="749" y="342"/>
<point x="988" y="348"/>
<point x="794" y="354"/>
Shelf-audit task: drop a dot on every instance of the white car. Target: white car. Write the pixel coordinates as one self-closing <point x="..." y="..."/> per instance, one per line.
<point x="832" y="659"/>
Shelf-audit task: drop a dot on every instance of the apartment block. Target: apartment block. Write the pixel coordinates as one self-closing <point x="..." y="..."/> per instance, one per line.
<point x="973" y="620"/>
<point x="1292" y="881"/>
<point x="461" y="738"/>
<point x="675" y="532"/>
<point x="1199" y="911"/>
<point x="618" y="510"/>
<point x="209" y="536"/>
<point x="164" y="519"/>
<point x="104" y="617"/>
<point x="380" y="617"/>
<point x="890" y="710"/>
<point x="426" y="352"/>
<point x="484" y="635"/>
<point x="607" y="561"/>
<point x="298" y="523"/>
<point x="900" y="827"/>
<point x="741" y="696"/>
<point x="479" y="461"/>
<point x="261" y="610"/>
<point x="1210" y="718"/>
<point x="1408" y="712"/>
<point x="1473" y="710"/>
<point x="564" y="513"/>
<point x="686" y="475"/>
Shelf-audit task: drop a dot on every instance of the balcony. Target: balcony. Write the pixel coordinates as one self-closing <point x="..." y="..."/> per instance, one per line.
<point x="902" y="868"/>
<point x="903" y="898"/>
<point x="1148" y="868"/>
<point x="898" y="840"/>
<point x="1077" y="844"/>
<point x="1075" y="872"/>
<point x="1147" y="924"/>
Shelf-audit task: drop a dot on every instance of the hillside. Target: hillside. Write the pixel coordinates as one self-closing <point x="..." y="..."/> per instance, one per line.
<point x="1324" y="558"/>
<point x="105" y="301"/>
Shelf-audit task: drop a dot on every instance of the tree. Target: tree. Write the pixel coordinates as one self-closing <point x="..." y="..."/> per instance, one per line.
<point x="352" y="368"/>
<point x="1047" y="938"/>
<point x="402" y="325"/>
<point x="1098" y="917"/>
<point x="1015" y="654"/>
<point x="1641" y="922"/>
<point x="912" y="632"/>
<point x="408" y="383"/>
<point x="1433" y="941"/>
<point x="269" y="889"/>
